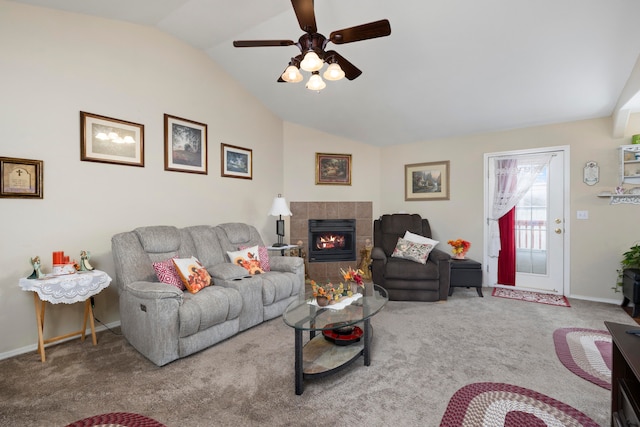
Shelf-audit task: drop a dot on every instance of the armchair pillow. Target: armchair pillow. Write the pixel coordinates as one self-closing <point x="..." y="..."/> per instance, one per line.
<point x="412" y="237"/>
<point x="193" y="274"/>
<point x="263" y="256"/>
<point x="417" y="252"/>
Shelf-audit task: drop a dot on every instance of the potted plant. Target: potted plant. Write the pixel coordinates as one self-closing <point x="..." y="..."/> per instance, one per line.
<point x="630" y="259"/>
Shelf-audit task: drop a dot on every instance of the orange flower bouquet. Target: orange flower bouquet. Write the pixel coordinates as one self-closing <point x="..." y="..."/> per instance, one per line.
<point x="459" y="248"/>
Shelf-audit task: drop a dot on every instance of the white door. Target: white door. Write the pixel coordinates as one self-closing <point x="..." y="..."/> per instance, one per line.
<point x="541" y="227"/>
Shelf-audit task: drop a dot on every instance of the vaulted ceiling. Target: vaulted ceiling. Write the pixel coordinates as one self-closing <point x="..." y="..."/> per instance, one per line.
<point x="449" y="67"/>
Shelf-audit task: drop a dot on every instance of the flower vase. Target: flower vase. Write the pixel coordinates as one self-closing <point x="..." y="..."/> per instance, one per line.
<point x="322" y="301"/>
<point x="354" y="288"/>
<point x="461" y="255"/>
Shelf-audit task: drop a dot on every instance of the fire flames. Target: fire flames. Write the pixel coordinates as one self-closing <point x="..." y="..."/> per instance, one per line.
<point x="330" y="241"/>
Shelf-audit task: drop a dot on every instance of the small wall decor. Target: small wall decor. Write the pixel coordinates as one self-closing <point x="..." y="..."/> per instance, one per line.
<point x="591" y="173"/>
<point x="185" y="145"/>
<point x="333" y="169"/>
<point x="21" y="178"/>
<point x="108" y="140"/>
<point x="237" y="162"/>
<point x="426" y="181"/>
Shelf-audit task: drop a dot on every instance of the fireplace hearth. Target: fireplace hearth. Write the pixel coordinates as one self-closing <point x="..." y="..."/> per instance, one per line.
<point x="332" y="240"/>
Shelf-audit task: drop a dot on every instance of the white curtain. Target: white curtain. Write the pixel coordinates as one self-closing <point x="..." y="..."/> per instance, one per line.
<point x="511" y="184"/>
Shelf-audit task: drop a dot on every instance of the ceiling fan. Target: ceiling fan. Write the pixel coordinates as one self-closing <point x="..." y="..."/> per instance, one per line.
<point x="312" y="47"/>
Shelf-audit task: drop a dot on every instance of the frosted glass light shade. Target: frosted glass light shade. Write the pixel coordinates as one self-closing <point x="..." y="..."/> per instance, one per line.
<point x="311" y="62"/>
<point x="316" y="83"/>
<point x="292" y="74"/>
<point x="334" y="72"/>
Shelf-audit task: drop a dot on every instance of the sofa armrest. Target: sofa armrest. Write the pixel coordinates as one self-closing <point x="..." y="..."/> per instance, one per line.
<point x="153" y="290"/>
<point x="438" y="255"/>
<point x="378" y="254"/>
<point x="286" y="263"/>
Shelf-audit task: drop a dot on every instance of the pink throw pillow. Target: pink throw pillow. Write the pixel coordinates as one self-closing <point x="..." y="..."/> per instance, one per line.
<point x="167" y="273"/>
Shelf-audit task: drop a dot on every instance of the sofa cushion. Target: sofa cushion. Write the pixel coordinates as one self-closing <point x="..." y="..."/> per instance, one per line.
<point x="249" y="259"/>
<point x="193" y="274"/>
<point x="277" y="286"/>
<point x="167" y="273"/>
<point x="417" y="252"/>
<point x="209" y="307"/>
<point x="398" y="268"/>
<point x="412" y="237"/>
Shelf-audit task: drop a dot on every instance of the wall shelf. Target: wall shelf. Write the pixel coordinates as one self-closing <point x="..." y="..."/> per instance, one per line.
<point x="619" y="199"/>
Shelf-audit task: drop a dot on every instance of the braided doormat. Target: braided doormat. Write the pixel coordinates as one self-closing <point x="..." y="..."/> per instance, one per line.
<point x="117" y="419"/>
<point x="539" y="297"/>
<point x="504" y="405"/>
<point x="585" y="352"/>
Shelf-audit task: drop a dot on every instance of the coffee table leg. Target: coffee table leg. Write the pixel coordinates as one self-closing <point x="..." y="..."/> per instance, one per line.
<point x="367" y="341"/>
<point x="298" y="367"/>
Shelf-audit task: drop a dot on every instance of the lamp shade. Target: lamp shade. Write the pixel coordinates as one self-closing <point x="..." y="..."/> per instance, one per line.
<point x="334" y="72"/>
<point x="311" y="62"/>
<point x="292" y="74"/>
<point x="279" y="207"/>
<point x="315" y="82"/>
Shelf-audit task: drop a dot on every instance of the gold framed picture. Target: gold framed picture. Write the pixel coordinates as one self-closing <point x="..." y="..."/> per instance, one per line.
<point x="333" y="169"/>
<point x="108" y="140"/>
<point x="21" y="178"/>
<point x="426" y="181"/>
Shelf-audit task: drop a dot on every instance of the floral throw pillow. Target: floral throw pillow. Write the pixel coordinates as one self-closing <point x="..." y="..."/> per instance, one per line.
<point x="167" y="273"/>
<point x="193" y="274"/>
<point x="417" y="252"/>
<point x="248" y="258"/>
<point x="416" y="238"/>
<point x="263" y="255"/>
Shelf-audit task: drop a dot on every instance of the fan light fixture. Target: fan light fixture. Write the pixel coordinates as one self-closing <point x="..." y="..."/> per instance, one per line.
<point x="292" y="74"/>
<point x="334" y="72"/>
<point x="315" y="82"/>
<point x="311" y="62"/>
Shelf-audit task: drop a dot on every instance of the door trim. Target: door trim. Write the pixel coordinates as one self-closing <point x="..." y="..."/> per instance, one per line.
<point x="489" y="262"/>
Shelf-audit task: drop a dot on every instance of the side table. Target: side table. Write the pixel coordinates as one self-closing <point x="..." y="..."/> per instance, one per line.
<point x="465" y="273"/>
<point x="65" y="289"/>
<point x="283" y="249"/>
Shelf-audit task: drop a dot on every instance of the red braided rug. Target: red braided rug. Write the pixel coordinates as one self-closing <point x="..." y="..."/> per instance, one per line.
<point x="117" y="419"/>
<point x="585" y="352"/>
<point x="504" y="405"/>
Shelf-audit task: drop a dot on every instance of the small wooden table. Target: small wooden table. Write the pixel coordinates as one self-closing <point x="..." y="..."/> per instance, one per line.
<point x="65" y="289"/>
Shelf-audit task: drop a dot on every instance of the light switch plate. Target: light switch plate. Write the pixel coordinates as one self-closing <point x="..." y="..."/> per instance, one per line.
<point x="582" y="214"/>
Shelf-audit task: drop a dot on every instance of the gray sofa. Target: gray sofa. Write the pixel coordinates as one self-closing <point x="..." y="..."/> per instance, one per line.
<point x="164" y="323"/>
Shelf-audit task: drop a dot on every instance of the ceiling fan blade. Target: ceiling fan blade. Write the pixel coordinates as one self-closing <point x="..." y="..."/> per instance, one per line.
<point x="350" y="71"/>
<point x="305" y="14"/>
<point x="262" y="43"/>
<point x="371" y="30"/>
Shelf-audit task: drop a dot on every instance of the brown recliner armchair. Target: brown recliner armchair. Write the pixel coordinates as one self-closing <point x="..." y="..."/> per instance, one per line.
<point x="403" y="279"/>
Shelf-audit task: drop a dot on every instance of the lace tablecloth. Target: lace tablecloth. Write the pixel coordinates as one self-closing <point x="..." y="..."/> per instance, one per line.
<point x="68" y="288"/>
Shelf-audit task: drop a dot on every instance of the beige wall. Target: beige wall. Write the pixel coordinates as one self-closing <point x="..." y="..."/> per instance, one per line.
<point x="55" y="65"/>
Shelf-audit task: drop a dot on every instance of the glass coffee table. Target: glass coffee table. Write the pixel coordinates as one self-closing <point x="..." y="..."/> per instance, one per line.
<point x="334" y="347"/>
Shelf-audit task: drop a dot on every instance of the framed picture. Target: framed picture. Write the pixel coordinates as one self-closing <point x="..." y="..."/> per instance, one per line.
<point x="108" y="140"/>
<point x="20" y="178"/>
<point x="185" y="145"/>
<point x="237" y="162"/>
<point x="333" y="169"/>
<point x="426" y="181"/>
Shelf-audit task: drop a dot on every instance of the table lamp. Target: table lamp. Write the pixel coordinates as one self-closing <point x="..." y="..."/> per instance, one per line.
<point x="279" y="208"/>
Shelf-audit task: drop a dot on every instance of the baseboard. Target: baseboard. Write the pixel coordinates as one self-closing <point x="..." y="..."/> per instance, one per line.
<point x="604" y="300"/>
<point x="34" y="347"/>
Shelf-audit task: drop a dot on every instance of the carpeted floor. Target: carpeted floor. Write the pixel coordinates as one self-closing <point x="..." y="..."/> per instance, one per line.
<point x="422" y="354"/>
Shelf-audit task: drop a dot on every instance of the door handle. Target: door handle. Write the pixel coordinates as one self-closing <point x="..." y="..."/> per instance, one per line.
<point x="558" y="230"/>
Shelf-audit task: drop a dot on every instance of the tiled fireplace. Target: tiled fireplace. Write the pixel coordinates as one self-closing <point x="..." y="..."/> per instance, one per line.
<point x="361" y="212"/>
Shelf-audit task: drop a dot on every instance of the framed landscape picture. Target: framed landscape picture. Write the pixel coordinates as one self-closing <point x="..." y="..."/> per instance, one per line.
<point x="333" y="169"/>
<point x="185" y="145"/>
<point x="426" y="181"/>
<point x="21" y="178"/>
<point x="108" y="140"/>
<point x="237" y="162"/>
